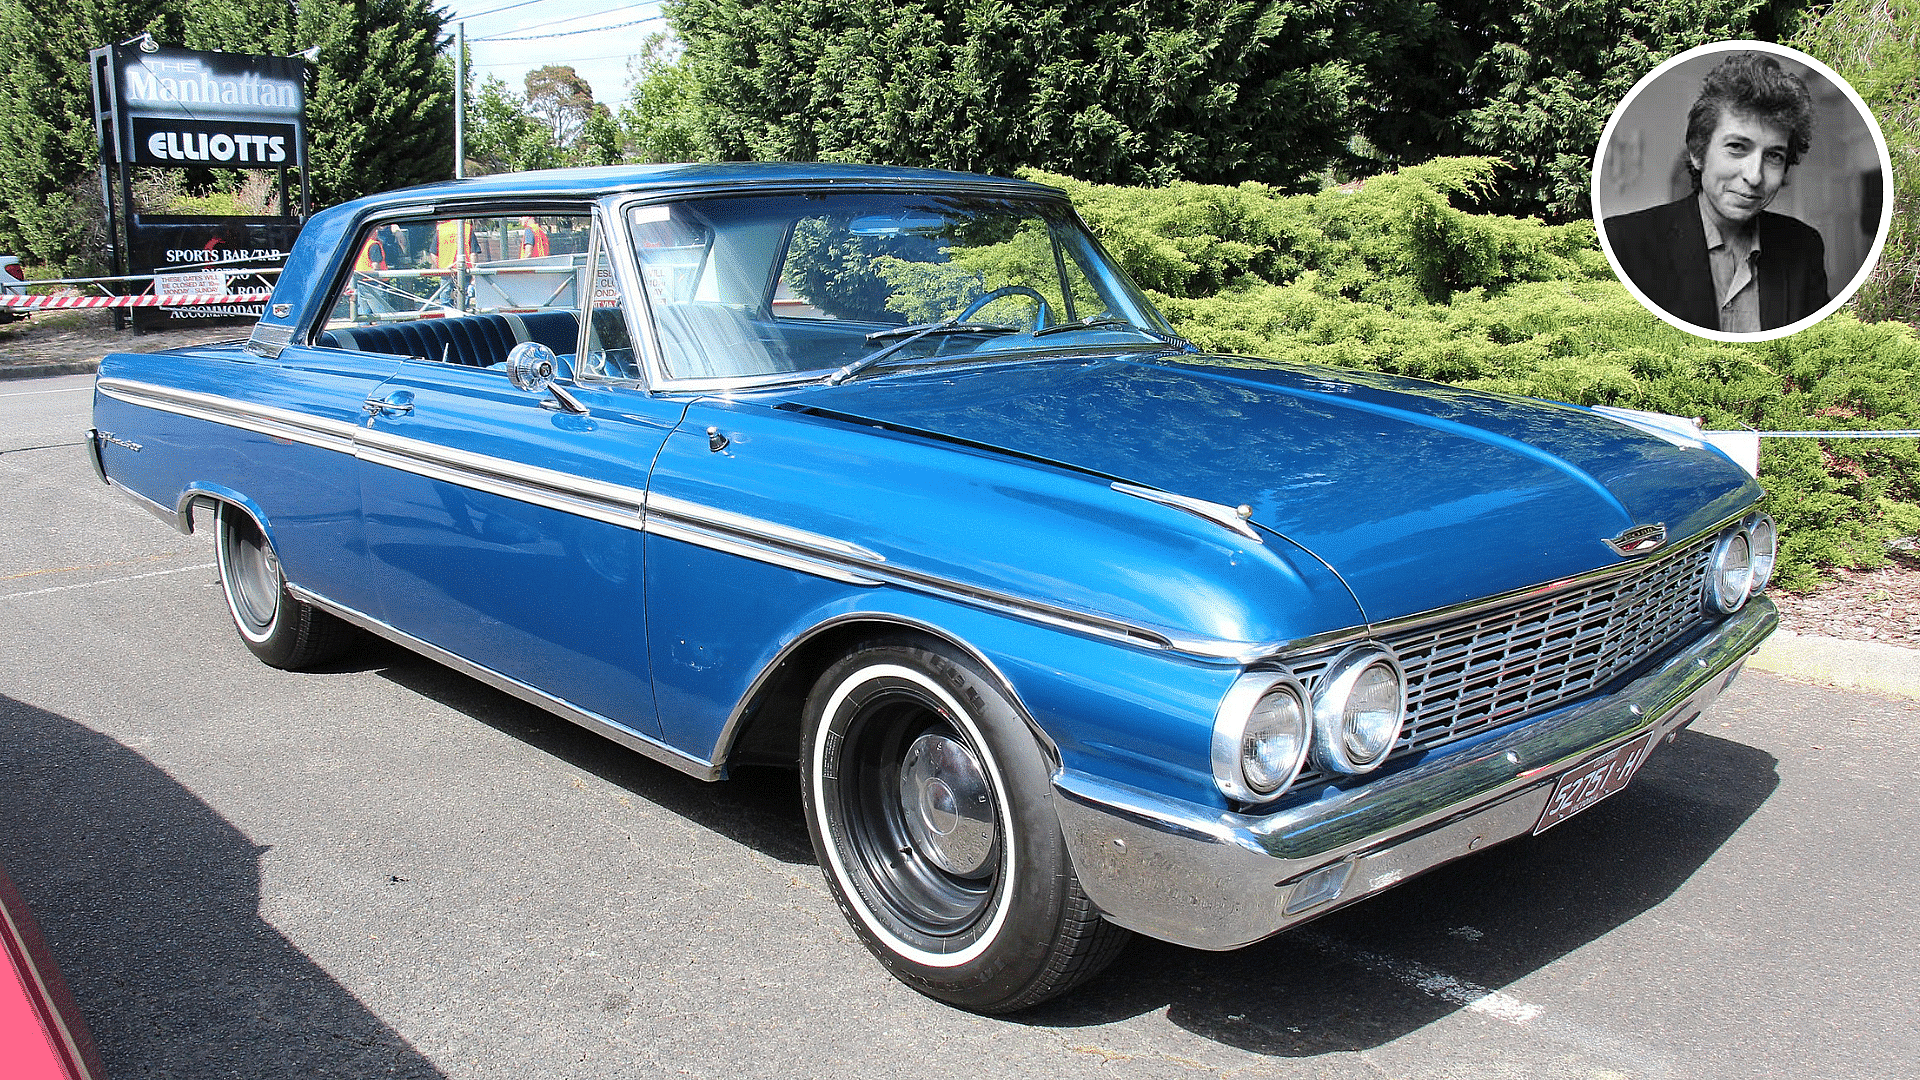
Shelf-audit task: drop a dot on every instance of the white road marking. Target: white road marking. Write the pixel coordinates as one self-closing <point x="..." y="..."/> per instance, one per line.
<point x="1434" y="984"/>
<point x="108" y="581"/>
<point x="63" y="390"/>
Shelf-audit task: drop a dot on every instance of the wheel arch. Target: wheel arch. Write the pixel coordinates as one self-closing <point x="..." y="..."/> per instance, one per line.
<point x="764" y="728"/>
<point x="211" y="497"/>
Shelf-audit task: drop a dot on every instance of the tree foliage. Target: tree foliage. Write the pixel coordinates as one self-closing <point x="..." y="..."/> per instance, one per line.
<point x="1144" y="91"/>
<point x="1875" y="46"/>
<point x="502" y="136"/>
<point x="509" y="133"/>
<point x="379" y="106"/>
<point x="662" y="119"/>
<point x="47" y="154"/>
<point x="1532" y="82"/>
<point x="558" y="95"/>
<point x="1287" y="92"/>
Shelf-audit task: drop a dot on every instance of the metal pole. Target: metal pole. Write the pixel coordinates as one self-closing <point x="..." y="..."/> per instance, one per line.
<point x="460" y="102"/>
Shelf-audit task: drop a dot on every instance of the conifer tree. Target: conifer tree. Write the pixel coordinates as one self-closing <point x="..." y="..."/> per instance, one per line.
<point x="48" y="199"/>
<point x="1127" y="92"/>
<point x="379" y="100"/>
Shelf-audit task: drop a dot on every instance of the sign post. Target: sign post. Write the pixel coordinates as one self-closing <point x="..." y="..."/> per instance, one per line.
<point x="158" y="107"/>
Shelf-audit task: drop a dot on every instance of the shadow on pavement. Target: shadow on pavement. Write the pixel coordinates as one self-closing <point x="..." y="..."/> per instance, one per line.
<point x="757" y="807"/>
<point x="1346" y="982"/>
<point x="1349" y="981"/>
<point x="149" y="901"/>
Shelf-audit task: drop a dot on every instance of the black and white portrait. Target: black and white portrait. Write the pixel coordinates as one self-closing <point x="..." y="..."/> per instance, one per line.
<point x="1741" y="191"/>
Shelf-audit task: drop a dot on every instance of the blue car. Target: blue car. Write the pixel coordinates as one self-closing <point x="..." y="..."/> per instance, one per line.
<point x="892" y="477"/>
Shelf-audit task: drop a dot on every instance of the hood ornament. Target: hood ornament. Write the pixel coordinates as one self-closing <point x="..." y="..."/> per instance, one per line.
<point x="1639" y="540"/>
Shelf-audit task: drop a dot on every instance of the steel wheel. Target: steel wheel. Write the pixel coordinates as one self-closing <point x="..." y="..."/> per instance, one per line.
<point x="926" y="797"/>
<point x="279" y="629"/>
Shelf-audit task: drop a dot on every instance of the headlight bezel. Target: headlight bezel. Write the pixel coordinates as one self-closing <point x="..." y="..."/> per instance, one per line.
<point x="1729" y="571"/>
<point x="1332" y="750"/>
<point x="1234" y="727"/>
<point x="1763" y="537"/>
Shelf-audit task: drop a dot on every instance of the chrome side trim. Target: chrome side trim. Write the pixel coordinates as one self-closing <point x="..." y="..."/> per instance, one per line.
<point x="666" y="516"/>
<point x="747" y="549"/>
<point x="337" y="435"/>
<point x="842" y="561"/>
<point x="615" y="504"/>
<point x="1229" y="517"/>
<point x="174" y="520"/>
<point x="1215" y="879"/>
<point x="592" y="721"/>
<point x="691" y="513"/>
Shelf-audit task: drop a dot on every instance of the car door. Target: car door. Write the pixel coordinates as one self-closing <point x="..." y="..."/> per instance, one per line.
<point x="508" y="532"/>
<point x="504" y="526"/>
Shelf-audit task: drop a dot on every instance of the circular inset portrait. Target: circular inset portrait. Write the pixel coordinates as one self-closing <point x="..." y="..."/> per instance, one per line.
<point x="1741" y="191"/>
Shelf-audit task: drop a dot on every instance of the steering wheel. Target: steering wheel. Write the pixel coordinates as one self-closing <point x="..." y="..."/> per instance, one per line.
<point x="1039" y="318"/>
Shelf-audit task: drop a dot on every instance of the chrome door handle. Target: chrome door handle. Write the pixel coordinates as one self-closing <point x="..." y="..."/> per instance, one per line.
<point x="386" y="407"/>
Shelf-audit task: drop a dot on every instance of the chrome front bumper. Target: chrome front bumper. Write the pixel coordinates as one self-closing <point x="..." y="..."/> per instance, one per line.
<point x="1213" y="879"/>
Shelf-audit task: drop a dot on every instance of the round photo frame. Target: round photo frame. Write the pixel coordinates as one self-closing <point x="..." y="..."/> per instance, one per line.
<point x="1841" y="187"/>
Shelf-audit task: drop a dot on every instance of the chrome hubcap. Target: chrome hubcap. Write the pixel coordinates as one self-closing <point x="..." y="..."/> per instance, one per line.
<point x="948" y="807"/>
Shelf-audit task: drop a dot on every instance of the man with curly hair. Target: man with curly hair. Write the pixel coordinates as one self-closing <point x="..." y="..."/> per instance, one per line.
<point x="1717" y="258"/>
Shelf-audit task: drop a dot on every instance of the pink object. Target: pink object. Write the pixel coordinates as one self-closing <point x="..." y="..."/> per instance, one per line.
<point x="41" y="1034"/>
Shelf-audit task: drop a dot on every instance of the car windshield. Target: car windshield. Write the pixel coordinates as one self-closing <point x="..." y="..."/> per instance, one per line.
<point x="844" y="282"/>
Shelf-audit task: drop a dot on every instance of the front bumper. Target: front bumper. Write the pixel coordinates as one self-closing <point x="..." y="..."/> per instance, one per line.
<point x="1213" y="879"/>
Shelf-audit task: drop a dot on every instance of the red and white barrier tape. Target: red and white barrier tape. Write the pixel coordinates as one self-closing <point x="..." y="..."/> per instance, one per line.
<point x="46" y="303"/>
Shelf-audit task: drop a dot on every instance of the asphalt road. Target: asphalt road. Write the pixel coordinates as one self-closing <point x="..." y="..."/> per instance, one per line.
<point x="391" y="870"/>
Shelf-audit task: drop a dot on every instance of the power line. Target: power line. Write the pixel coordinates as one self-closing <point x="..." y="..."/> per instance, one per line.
<point x="571" y="60"/>
<point x="454" y="17"/>
<point x="570" y="18"/>
<point x="572" y="33"/>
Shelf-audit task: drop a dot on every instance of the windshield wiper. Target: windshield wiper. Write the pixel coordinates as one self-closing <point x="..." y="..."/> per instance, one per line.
<point x="1104" y="322"/>
<point x="913" y="334"/>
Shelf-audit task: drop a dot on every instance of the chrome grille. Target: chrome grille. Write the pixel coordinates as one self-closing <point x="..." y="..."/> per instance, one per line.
<point x="1528" y="655"/>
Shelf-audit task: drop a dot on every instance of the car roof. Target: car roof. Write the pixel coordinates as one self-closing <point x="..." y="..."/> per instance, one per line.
<point x="687" y="177"/>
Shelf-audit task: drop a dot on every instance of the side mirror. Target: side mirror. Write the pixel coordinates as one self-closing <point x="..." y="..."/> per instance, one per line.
<point x="530" y="366"/>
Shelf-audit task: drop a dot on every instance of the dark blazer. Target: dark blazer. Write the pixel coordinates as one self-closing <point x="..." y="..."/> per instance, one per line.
<point x="1663" y="249"/>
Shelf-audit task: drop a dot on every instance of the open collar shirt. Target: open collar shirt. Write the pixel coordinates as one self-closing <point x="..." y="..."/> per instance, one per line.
<point x="1736" y="275"/>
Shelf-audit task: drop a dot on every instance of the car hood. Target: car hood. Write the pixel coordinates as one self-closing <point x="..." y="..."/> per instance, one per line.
<point x="1418" y="495"/>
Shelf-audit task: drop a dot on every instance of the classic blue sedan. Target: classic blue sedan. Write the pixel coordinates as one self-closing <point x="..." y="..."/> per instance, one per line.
<point x="893" y="477"/>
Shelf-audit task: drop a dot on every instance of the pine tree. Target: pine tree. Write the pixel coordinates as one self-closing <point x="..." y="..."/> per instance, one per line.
<point x="49" y="201"/>
<point x="1131" y="91"/>
<point x="379" y="105"/>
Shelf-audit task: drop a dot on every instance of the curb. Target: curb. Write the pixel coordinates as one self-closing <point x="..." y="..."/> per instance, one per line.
<point x="1872" y="666"/>
<point x="47" y="371"/>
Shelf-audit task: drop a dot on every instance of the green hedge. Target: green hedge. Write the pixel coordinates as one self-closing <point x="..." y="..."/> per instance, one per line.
<point x="1392" y="274"/>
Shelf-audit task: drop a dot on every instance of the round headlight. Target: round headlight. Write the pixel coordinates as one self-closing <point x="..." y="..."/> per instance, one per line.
<point x="1730" y="575"/>
<point x="1260" y="736"/>
<point x="1765" y="540"/>
<point x="1358" y="710"/>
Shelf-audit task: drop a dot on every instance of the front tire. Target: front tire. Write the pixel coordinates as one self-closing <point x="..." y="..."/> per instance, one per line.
<point x="279" y="629"/>
<point x="929" y="806"/>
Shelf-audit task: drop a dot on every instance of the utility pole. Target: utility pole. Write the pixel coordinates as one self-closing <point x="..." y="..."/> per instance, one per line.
<point x="460" y="102"/>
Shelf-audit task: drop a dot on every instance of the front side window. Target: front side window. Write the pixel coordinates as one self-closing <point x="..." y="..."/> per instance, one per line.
<point x="751" y="286"/>
<point x="463" y="289"/>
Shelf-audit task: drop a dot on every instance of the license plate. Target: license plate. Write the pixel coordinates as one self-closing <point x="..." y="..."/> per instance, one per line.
<point x="1594" y="781"/>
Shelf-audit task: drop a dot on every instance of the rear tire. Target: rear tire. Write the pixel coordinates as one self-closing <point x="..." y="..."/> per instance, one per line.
<point x="930" y="809"/>
<point x="279" y="629"/>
